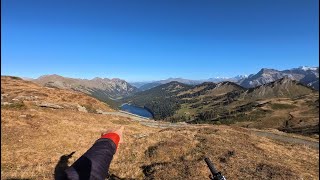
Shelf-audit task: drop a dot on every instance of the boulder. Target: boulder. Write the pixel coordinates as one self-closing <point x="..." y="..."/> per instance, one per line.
<point x="5" y="103"/>
<point x="82" y="108"/>
<point x="99" y="111"/>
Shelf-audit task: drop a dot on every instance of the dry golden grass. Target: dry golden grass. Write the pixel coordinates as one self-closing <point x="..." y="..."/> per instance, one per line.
<point x="32" y="145"/>
<point x="31" y="92"/>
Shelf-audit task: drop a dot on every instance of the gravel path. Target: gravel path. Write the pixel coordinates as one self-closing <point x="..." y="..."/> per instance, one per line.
<point x="293" y="140"/>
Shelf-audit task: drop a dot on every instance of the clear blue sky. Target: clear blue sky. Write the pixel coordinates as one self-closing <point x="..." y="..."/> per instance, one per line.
<point x="155" y="39"/>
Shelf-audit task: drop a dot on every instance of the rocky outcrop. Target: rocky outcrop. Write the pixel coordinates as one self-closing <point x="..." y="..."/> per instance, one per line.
<point x="82" y="108"/>
<point x="49" y="105"/>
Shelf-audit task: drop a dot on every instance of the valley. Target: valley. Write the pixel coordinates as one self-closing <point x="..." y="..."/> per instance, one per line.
<point x="276" y="105"/>
<point x="268" y="99"/>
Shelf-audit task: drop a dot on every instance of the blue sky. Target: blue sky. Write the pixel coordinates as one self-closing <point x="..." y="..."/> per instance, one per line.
<point x="156" y="39"/>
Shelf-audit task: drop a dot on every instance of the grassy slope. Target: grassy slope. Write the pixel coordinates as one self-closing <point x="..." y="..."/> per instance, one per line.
<point x="32" y="93"/>
<point x="32" y="145"/>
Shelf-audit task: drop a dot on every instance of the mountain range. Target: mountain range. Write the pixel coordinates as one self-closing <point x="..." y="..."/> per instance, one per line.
<point x="148" y="85"/>
<point x="101" y="88"/>
<point x="306" y="75"/>
<point x="270" y="105"/>
<point x="108" y="90"/>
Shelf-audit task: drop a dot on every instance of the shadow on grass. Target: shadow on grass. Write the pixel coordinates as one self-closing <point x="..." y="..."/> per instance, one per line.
<point x="62" y="165"/>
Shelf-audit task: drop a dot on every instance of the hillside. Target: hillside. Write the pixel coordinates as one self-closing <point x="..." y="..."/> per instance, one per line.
<point x="161" y="100"/>
<point x="166" y="100"/>
<point x="101" y="88"/>
<point x="34" y="140"/>
<point x="228" y="103"/>
<point x="20" y="94"/>
<point x="149" y="86"/>
<point x="284" y="87"/>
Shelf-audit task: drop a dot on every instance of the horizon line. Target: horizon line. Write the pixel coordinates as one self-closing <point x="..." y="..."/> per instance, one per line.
<point x="136" y="81"/>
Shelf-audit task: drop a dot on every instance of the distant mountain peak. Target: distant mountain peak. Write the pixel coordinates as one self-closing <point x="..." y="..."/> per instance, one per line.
<point x="175" y="83"/>
<point x="241" y="76"/>
<point x="218" y="77"/>
<point x="306" y="68"/>
<point x="50" y="75"/>
<point x="97" y="87"/>
<point x="171" y="78"/>
<point x="267" y="71"/>
<point x="96" y="78"/>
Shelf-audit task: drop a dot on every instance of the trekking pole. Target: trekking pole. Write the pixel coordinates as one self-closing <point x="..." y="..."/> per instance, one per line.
<point x="215" y="175"/>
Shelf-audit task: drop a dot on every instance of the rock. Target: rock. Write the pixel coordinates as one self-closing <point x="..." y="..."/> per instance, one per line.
<point x="15" y="99"/>
<point x="82" y="108"/>
<point x="99" y="111"/>
<point x="49" y="105"/>
<point x="4" y="95"/>
<point x="5" y="103"/>
<point x="20" y="97"/>
<point x="25" y="116"/>
<point x="139" y="136"/>
<point x="69" y="106"/>
<point x="183" y="123"/>
<point x="28" y="98"/>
